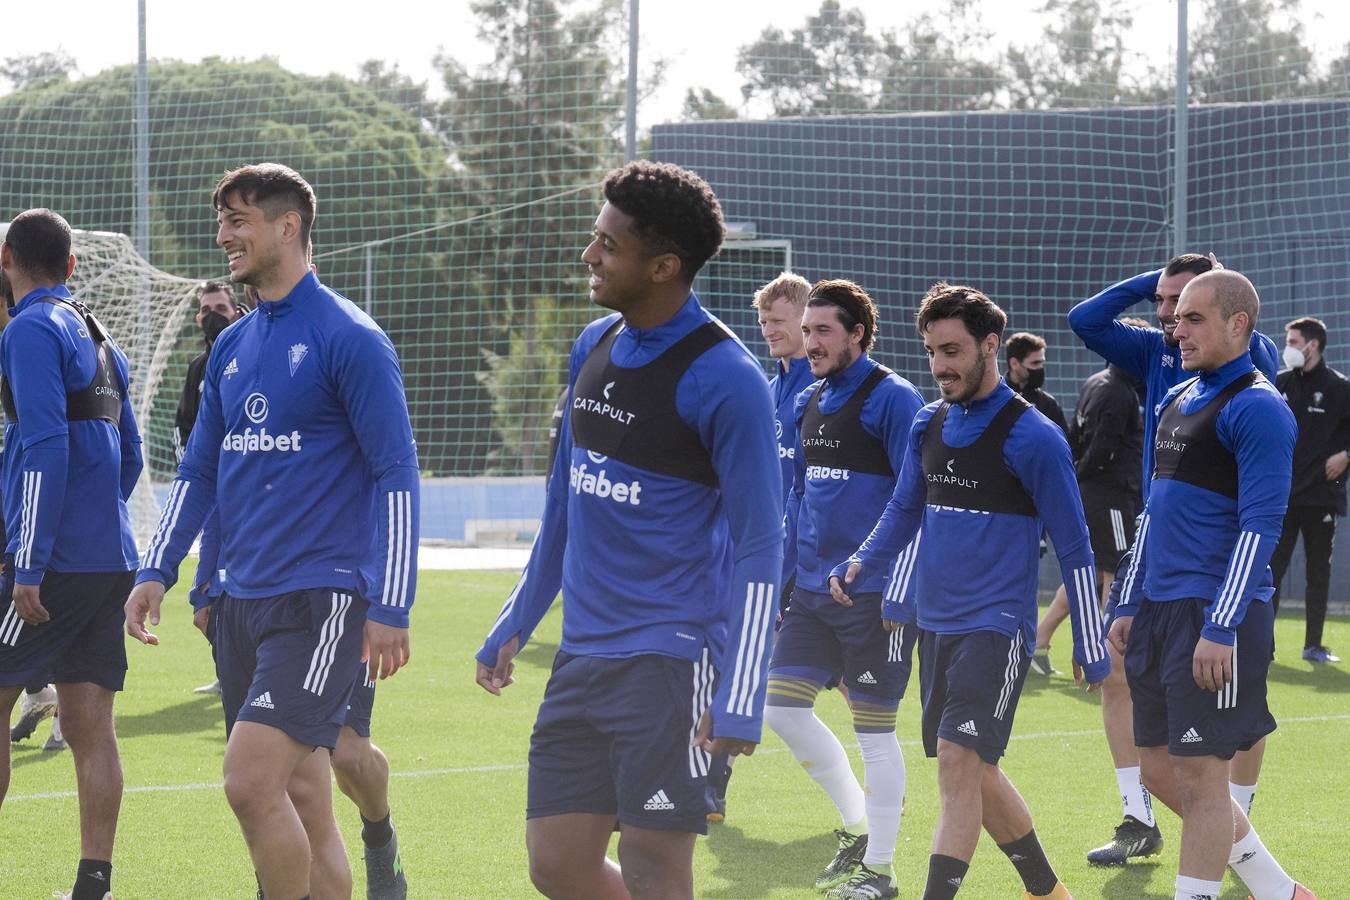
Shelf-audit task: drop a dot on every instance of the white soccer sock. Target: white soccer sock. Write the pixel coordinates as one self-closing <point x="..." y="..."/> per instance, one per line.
<point x="1260" y="871"/>
<point x="1197" y="888"/>
<point x="1134" y="795"/>
<point x="823" y="757"/>
<point x="884" y="771"/>
<point x="1244" y="794"/>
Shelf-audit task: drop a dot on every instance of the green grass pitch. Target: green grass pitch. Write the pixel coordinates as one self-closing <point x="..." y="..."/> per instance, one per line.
<point x="459" y="788"/>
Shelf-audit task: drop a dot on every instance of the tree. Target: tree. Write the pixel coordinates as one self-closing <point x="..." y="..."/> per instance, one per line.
<point x="702" y="103"/>
<point x="532" y="134"/>
<point x="379" y="176"/>
<point x="1080" y="60"/>
<point x="1248" y="51"/>
<point x="24" y="71"/>
<point x="931" y="69"/>
<point x="829" y="66"/>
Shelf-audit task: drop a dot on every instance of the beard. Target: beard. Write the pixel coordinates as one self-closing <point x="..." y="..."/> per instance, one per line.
<point x="971" y="381"/>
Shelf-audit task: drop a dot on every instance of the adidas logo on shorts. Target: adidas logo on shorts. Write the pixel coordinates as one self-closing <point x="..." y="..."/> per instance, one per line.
<point x="1190" y="737"/>
<point x="658" y="801"/>
<point x="968" y="728"/>
<point x="867" y="678"/>
<point x="263" y="700"/>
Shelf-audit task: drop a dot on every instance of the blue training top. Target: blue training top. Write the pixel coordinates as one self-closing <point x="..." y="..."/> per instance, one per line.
<point x="831" y="512"/>
<point x="977" y="570"/>
<point x="677" y="564"/>
<point x="1198" y="543"/>
<point x="66" y="482"/>
<point x="303" y="443"/>
<point x="1143" y="352"/>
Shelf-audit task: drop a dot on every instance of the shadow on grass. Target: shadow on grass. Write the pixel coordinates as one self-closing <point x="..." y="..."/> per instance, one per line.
<point x="198" y="712"/>
<point x="752" y="867"/>
<point x="1318" y="676"/>
<point x="30" y="752"/>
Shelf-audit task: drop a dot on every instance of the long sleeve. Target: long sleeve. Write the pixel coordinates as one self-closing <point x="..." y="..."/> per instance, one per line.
<point x="133" y="460"/>
<point x="370" y="384"/>
<point x="1112" y="419"/>
<point x="793" y="504"/>
<point x="1260" y="432"/>
<point x="735" y="422"/>
<point x="900" y="521"/>
<point x="1039" y="456"/>
<point x="1094" y="321"/>
<point x="203" y="592"/>
<point x="539" y="584"/>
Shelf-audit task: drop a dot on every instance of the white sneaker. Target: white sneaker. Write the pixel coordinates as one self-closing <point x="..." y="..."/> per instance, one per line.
<point x="212" y="688"/>
<point x="60" y="896"/>
<point x="33" y="708"/>
<point x="56" y="740"/>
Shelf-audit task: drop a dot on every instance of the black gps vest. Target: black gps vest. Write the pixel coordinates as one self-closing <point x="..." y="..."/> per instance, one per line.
<point x="630" y="414"/>
<point x="838" y="440"/>
<point x="102" y="399"/>
<point x="1187" y="448"/>
<point x="975" y="477"/>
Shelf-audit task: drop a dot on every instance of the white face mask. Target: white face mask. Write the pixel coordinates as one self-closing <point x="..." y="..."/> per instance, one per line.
<point x="1294" y="358"/>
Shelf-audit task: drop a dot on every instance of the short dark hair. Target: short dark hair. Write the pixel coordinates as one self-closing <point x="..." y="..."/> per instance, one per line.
<point x="40" y="242"/>
<point x="1022" y="344"/>
<point x="1195" y="263"/>
<point x="852" y="304"/>
<point x="214" y="287"/>
<point x="1312" y="330"/>
<point x="978" y="313"/>
<point x="673" y="211"/>
<point x="273" y="187"/>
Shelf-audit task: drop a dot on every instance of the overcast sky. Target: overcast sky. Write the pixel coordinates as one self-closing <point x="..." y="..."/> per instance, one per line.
<point x="698" y="37"/>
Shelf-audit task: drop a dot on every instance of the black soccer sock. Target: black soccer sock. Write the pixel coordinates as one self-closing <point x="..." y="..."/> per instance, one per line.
<point x="1028" y="857"/>
<point x="376" y="834"/>
<point x="719" y="774"/>
<point x="945" y="874"/>
<point x="93" y="880"/>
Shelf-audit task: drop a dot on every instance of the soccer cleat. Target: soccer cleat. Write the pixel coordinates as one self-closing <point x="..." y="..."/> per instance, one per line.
<point x="212" y="688"/>
<point x="1300" y="893"/>
<point x="59" y="895"/>
<point x="1059" y="893"/>
<point x="1132" y="838"/>
<point x="847" y="858"/>
<point x="1320" y="654"/>
<point x="864" y="885"/>
<point x="717" y="788"/>
<point x="384" y="872"/>
<point x="56" y="740"/>
<point x="32" y="710"/>
<point x="1040" y="664"/>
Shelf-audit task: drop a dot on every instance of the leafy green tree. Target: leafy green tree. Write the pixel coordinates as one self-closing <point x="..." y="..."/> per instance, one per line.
<point x="932" y="65"/>
<point x="1248" y="51"/>
<point x="532" y="134"/>
<point x="702" y="103"/>
<point x="24" y="71"/>
<point x="1080" y="60"/>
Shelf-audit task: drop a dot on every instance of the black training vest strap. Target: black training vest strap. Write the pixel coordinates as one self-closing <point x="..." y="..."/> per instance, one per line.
<point x="102" y="399"/>
<point x="838" y="440"/>
<point x="630" y="414"/>
<point x="1187" y="447"/>
<point x="975" y="477"/>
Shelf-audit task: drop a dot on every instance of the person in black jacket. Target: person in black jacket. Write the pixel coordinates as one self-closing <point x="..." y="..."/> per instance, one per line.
<point x="1320" y="399"/>
<point x="217" y="308"/>
<point x="1025" y="354"/>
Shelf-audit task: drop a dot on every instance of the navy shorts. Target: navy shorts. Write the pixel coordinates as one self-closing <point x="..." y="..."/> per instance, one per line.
<point x="290" y="661"/>
<point x="825" y="642"/>
<point x="361" y="706"/>
<point x="970" y="684"/>
<point x="81" y="642"/>
<point x="1170" y="708"/>
<point x="612" y="738"/>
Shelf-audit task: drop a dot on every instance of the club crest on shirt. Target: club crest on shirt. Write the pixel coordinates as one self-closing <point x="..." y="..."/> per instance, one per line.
<point x="297" y="354"/>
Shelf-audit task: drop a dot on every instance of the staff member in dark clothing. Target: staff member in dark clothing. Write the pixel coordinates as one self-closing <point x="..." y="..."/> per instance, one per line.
<point x="1025" y="354"/>
<point x="1320" y="399"/>
<point x="217" y="308"/>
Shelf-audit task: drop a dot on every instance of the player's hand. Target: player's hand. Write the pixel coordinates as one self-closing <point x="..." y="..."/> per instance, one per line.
<point x="1078" y="679"/>
<point x="202" y="619"/>
<point x="837" y="587"/>
<point x="144" y="602"/>
<point x="499" y="676"/>
<point x="1212" y="665"/>
<point x="1337" y="464"/>
<point x="890" y="625"/>
<point x="1214" y="261"/>
<point x="727" y="746"/>
<point x="384" y="649"/>
<point x="1119" y="635"/>
<point x="28" y="605"/>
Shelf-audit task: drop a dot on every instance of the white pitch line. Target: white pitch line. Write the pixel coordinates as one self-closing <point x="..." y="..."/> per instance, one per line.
<point x="520" y="767"/>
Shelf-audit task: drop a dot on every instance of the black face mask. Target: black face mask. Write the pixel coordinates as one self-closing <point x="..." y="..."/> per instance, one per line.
<point x="213" y="323"/>
<point x="1035" y="379"/>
